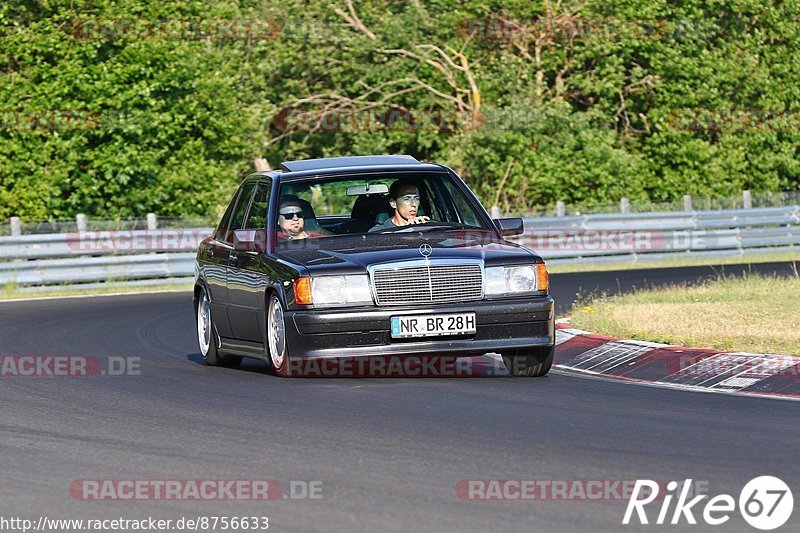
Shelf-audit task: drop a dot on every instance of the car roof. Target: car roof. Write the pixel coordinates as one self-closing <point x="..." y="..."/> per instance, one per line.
<point x="345" y="162"/>
<point x="292" y="170"/>
<point x="343" y="165"/>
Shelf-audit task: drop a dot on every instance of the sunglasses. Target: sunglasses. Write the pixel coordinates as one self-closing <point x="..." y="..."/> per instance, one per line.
<point x="409" y="198"/>
<point x="289" y="215"/>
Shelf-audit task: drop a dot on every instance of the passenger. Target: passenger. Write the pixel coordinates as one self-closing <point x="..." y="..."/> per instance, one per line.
<point x="291" y="220"/>
<point x="404" y="199"/>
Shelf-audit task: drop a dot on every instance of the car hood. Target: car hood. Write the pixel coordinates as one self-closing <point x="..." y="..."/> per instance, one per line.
<point x="355" y="254"/>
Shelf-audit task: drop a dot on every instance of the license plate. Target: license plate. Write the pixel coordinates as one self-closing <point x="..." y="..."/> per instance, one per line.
<point x="433" y="325"/>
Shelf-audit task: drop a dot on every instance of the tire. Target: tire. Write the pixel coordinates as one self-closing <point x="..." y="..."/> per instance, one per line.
<point x="530" y="362"/>
<point x="207" y="339"/>
<point x="276" y="338"/>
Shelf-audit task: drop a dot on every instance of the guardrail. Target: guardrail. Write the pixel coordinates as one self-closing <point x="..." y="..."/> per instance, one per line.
<point x="615" y="237"/>
<point x="94" y="269"/>
<point x="99" y="256"/>
<point x="96" y="243"/>
<point x="168" y="254"/>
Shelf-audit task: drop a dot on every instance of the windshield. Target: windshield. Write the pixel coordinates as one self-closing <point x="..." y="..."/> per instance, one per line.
<point x="373" y="203"/>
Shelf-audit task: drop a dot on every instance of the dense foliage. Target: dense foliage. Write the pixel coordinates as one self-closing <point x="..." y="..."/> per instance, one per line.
<point x="114" y="108"/>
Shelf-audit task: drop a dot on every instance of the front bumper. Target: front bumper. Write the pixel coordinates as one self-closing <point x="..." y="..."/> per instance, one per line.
<point x="502" y="325"/>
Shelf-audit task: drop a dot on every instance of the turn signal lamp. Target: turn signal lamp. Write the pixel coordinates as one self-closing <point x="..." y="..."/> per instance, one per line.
<point x="543" y="277"/>
<point x="302" y="291"/>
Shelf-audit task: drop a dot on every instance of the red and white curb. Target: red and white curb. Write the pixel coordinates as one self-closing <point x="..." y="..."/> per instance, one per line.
<point x="676" y="366"/>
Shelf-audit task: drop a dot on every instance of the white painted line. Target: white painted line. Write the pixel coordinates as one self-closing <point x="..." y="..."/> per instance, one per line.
<point x="588" y="355"/>
<point x="626" y="354"/>
<point x="674" y="386"/>
<point x="737" y="383"/>
<point x="562" y="336"/>
<point x="731" y="371"/>
<point x="643" y="343"/>
<point x="574" y="331"/>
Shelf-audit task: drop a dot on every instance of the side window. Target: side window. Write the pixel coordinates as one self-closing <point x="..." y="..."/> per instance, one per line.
<point x="431" y="201"/>
<point x="237" y="219"/>
<point x="466" y="214"/>
<point x="222" y="227"/>
<point x="257" y="216"/>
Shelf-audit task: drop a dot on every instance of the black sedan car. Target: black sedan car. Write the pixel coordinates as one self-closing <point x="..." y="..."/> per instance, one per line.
<point x="379" y="256"/>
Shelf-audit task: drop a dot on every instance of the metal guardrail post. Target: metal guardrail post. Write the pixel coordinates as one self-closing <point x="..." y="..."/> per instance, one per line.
<point x="747" y="199"/>
<point x="152" y="221"/>
<point x="16" y="227"/>
<point x="739" y="246"/>
<point x="624" y="205"/>
<point x="261" y="164"/>
<point x="687" y="202"/>
<point x="561" y="209"/>
<point x="80" y="219"/>
<point x="495" y="212"/>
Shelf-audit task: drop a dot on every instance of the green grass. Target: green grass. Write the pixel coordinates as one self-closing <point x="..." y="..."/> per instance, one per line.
<point x="754" y="313"/>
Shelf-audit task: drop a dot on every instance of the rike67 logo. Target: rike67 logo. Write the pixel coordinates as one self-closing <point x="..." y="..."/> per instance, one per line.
<point x="765" y="503"/>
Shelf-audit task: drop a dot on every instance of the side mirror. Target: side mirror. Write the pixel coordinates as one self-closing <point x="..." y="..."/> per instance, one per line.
<point x="510" y="226"/>
<point x="250" y="240"/>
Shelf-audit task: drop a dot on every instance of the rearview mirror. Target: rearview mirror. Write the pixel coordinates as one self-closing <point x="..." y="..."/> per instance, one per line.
<point x="367" y="189"/>
<point x="250" y="240"/>
<point x="510" y="226"/>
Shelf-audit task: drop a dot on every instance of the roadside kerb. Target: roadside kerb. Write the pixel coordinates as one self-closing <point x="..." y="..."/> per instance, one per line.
<point x="679" y="367"/>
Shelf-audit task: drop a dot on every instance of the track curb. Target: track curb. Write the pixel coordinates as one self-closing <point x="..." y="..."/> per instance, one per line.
<point x="678" y="367"/>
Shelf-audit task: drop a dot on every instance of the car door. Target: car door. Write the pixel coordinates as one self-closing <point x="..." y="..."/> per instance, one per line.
<point x="247" y="277"/>
<point x="215" y="270"/>
<point x="221" y="250"/>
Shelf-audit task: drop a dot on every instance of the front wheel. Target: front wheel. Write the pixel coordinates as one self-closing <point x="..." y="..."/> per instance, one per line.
<point x="530" y="362"/>
<point x="276" y="337"/>
<point x="207" y="338"/>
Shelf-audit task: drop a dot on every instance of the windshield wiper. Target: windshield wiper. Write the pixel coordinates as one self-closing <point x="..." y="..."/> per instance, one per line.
<point x="449" y="226"/>
<point x="432" y="225"/>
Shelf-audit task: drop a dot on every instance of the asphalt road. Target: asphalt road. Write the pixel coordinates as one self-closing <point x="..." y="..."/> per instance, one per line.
<point x="568" y="287"/>
<point x="388" y="452"/>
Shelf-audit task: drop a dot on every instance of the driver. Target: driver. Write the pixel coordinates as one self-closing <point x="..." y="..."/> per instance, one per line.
<point x="404" y="199"/>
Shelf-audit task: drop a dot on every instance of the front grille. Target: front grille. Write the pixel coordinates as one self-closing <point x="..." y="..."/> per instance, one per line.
<point x="426" y="283"/>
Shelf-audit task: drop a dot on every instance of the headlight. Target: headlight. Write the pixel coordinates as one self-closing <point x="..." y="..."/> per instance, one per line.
<point x="514" y="279"/>
<point x="326" y="290"/>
